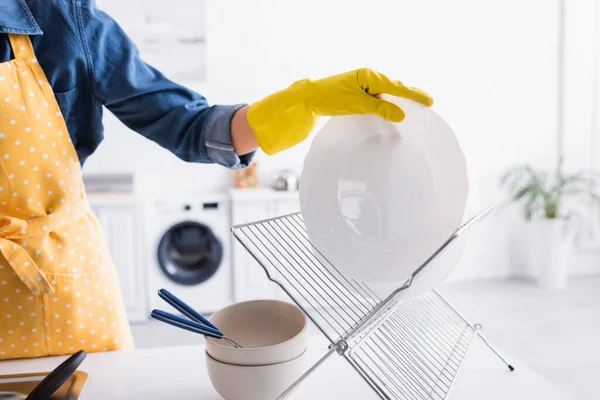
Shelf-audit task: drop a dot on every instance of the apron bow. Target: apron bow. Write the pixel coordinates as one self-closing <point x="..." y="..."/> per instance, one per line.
<point x="12" y="229"/>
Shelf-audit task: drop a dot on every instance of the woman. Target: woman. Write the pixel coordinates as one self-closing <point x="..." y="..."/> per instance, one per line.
<point x="60" y="62"/>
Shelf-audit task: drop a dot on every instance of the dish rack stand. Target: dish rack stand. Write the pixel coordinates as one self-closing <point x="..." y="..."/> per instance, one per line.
<point x="404" y="349"/>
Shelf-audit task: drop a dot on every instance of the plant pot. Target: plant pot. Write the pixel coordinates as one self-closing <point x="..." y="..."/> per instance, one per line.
<point x="549" y="253"/>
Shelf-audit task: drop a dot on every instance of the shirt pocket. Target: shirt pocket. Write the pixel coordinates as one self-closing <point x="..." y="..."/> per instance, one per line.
<point x="67" y="102"/>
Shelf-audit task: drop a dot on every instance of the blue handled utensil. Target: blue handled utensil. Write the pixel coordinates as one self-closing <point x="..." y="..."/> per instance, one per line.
<point x="183" y="308"/>
<point x="196" y="323"/>
<point x="182" y="323"/>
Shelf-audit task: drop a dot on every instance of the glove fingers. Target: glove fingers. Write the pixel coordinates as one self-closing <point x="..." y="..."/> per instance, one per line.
<point x="382" y="108"/>
<point x="375" y="83"/>
<point x="412" y="93"/>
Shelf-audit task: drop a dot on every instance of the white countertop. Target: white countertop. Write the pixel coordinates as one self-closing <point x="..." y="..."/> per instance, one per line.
<point x="180" y="373"/>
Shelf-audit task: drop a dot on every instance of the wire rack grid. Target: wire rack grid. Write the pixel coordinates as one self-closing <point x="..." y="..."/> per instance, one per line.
<point x="404" y="349"/>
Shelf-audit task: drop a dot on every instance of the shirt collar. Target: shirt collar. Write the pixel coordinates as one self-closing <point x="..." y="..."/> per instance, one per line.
<point x="16" y="17"/>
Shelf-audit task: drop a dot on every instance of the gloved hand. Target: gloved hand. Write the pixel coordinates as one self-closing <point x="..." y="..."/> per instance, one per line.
<point x="286" y="118"/>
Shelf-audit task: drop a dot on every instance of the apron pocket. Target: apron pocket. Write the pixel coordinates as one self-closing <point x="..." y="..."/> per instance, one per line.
<point x="84" y="314"/>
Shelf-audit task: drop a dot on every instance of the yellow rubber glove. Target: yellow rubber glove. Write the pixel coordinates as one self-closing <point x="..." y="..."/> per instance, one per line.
<point x="286" y="118"/>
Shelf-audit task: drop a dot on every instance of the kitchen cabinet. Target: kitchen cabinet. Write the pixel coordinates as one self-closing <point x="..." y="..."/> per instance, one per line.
<point x="122" y="221"/>
<point x="250" y="205"/>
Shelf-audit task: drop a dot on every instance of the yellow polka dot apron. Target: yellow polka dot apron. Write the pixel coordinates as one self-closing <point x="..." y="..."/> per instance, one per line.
<point x="59" y="291"/>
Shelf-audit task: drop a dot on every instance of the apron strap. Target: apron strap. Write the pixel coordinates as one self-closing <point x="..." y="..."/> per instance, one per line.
<point x="22" y="47"/>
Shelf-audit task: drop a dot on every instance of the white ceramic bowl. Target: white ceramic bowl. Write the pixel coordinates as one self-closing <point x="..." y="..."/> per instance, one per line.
<point x="269" y="331"/>
<point x="244" y="382"/>
<point x="378" y="198"/>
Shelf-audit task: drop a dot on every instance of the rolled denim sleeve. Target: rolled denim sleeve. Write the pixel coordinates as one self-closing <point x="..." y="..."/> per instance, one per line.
<point x="147" y="102"/>
<point x="218" y="138"/>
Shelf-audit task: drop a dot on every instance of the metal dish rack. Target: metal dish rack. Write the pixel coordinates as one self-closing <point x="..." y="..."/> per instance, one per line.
<point x="404" y="349"/>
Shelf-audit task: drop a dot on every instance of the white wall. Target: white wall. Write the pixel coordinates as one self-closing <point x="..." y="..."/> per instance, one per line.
<point x="491" y="74"/>
<point x="492" y="67"/>
<point x="581" y="107"/>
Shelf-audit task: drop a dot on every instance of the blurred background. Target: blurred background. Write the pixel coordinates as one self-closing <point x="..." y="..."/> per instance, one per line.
<point x="517" y="80"/>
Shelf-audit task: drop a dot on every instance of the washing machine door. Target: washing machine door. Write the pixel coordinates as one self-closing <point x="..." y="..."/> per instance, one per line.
<point x="189" y="253"/>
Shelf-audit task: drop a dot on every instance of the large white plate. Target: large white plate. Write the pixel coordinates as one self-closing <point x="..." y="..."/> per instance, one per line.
<point x="379" y="198"/>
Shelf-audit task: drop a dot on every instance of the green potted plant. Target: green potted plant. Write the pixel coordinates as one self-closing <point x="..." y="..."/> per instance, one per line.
<point x="558" y="206"/>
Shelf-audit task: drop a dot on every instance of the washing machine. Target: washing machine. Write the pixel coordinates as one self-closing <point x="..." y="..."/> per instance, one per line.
<point x="190" y="252"/>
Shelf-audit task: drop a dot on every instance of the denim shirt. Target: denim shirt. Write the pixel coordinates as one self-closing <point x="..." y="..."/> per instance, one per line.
<point x="90" y="62"/>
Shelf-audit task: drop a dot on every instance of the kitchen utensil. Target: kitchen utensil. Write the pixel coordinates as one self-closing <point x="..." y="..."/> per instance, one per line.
<point x="404" y="348"/>
<point x="284" y="180"/>
<point x="183" y="308"/>
<point x="378" y="198"/>
<point x="52" y="381"/>
<point x="243" y="382"/>
<point x="196" y="323"/>
<point x="270" y="332"/>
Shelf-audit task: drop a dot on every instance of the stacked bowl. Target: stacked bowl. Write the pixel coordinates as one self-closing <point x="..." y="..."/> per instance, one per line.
<point x="273" y="335"/>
